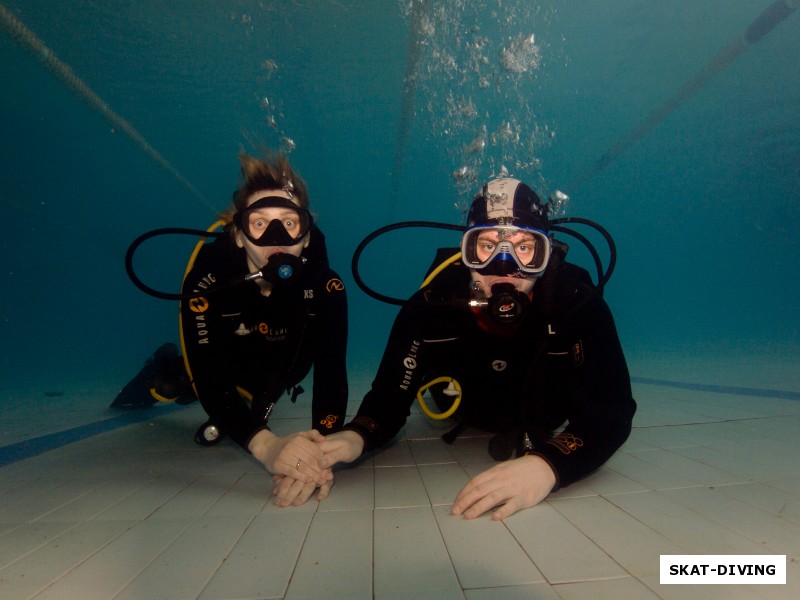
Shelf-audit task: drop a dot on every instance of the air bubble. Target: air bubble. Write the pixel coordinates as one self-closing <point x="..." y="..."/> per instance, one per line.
<point x="473" y="76"/>
<point x="521" y="55"/>
<point x="288" y="144"/>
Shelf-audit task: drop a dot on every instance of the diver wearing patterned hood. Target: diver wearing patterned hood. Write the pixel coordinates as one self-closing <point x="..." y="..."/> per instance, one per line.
<point x="506" y="247"/>
<point x="535" y="351"/>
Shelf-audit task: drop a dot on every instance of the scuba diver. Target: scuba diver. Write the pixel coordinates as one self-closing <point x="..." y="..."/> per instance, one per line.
<point x="532" y="345"/>
<point x="259" y="307"/>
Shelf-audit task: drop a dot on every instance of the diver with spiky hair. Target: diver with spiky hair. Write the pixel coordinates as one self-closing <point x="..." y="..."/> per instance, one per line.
<point x="247" y="345"/>
<point x="532" y="345"/>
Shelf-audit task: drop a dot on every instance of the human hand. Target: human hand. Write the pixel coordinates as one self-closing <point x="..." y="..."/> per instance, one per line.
<point x="291" y="492"/>
<point x="297" y="455"/>
<point x="511" y="485"/>
<point x="343" y="446"/>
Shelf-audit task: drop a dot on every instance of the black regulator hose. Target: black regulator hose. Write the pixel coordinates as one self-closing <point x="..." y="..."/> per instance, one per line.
<point x="154" y="233"/>
<point x="378" y="232"/>
<point x="282" y="269"/>
<point x="602" y="276"/>
<point x="555" y="225"/>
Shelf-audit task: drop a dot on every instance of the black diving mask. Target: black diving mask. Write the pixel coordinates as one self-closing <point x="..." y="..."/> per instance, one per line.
<point x="274" y="221"/>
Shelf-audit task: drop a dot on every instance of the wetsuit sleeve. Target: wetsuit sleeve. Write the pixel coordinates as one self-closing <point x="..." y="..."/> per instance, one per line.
<point x="329" y="403"/>
<point x="595" y="386"/>
<point x="205" y="343"/>
<point x="385" y="408"/>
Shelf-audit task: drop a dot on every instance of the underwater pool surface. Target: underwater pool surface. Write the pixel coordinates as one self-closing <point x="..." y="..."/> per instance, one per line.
<point x="674" y="124"/>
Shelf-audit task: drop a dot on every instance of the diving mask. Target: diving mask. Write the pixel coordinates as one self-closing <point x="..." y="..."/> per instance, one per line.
<point x="274" y="221"/>
<point x="496" y="249"/>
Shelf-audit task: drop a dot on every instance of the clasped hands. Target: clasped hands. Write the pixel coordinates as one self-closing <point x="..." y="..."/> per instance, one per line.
<point x="508" y="486"/>
<point x="344" y="446"/>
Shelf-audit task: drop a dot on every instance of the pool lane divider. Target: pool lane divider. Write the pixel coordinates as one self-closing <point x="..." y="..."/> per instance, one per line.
<point x="719" y="389"/>
<point x="30" y="43"/>
<point x="768" y="20"/>
<point x="33" y="447"/>
<point x="51" y="441"/>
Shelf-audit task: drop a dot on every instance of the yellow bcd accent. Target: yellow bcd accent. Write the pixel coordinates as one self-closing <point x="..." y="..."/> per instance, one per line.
<point x="453" y="382"/>
<point x="216" y="225"/>
<point x="442" y="415"/>
<point x="159" y="397"/>
<point x="440" y="268"/>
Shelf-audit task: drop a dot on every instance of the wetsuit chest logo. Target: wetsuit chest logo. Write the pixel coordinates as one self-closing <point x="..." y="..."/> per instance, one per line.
<point x="273" y="334"/>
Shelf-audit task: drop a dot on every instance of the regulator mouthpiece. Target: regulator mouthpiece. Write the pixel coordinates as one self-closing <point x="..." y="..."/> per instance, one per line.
<point x="506" y="304"/>
<point x="281" y="270"/>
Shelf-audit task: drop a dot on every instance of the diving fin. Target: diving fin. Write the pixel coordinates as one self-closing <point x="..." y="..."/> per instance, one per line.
<point x="162" y="378"/>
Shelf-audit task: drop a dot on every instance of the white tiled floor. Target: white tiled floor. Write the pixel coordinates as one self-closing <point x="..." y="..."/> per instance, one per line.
<point x="142" y="512"/>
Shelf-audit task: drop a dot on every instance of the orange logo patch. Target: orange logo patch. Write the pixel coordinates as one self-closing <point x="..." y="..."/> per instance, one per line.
<point x="566" y="442"/>
<point x="329" y="421"/>
<point x="198" y="305"/>
<point x="263" y="328"/>
<point x="334" y="285"/>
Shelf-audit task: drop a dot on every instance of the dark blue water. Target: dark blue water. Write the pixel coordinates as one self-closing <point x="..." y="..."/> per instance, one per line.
<point x="704" y="208"/>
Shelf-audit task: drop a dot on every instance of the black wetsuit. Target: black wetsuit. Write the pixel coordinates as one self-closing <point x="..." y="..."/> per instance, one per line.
<point x="264" y="344"/>
<point x="528" y="378"/>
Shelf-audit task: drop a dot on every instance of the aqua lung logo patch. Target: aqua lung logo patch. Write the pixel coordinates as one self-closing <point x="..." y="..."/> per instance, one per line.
<point x="409" y="364"/>
<point x="577" y="353"/>
<point x="499" y="365"/>
<point x="198" y="305"/>
<point x="272" y="335"/>
<point x="334" y="285"/>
